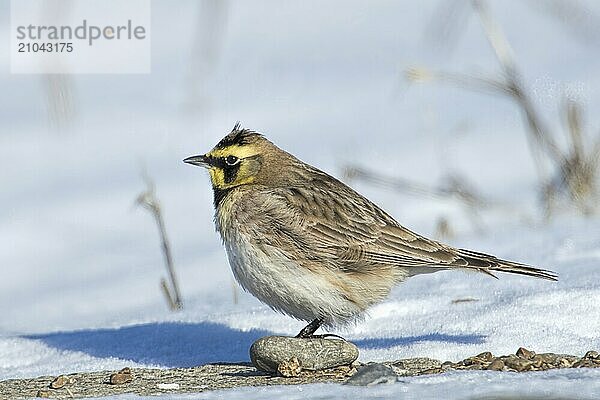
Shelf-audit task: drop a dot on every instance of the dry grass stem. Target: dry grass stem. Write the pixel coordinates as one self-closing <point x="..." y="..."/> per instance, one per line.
<point x="576" y="172"/>
<point x="148" y="200"/>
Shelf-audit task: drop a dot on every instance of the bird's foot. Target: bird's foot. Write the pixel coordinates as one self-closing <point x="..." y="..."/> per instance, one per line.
<point x="308" y="332"/>
<point x="324" y="336"/>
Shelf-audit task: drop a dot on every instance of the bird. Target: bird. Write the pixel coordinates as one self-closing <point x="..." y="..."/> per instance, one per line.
<point x="311" y="247"/>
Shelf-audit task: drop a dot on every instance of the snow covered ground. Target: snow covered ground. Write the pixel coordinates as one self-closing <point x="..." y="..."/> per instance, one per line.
<point x="81" y="265"/>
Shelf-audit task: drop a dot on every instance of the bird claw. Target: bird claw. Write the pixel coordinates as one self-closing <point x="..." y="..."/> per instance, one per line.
<point x="323" y="336"/>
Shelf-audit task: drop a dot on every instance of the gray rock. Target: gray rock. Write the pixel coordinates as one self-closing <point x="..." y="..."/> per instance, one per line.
<point x="524" y="353"/>
<point x="496" y="365"/>
<point x="485" y="356"/>
<point x="548" y="358"/>
<point x="373" y="374"/>
<point x="316" y="354"/>
<point x="537" y="361"/>
<point x="518" y="364"/>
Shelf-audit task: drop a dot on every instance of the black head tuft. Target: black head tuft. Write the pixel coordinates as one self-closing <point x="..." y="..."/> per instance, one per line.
<point x="238" y="136"/>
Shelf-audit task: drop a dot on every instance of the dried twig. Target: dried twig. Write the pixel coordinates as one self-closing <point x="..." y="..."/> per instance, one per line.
<point x="579" y="172"/>
<point x="576" y="171"/>
<point x="164" y="287"/>
<point x="473" y="82"/>
<point x="505" y="55"/>
<point x="149" y="201"/>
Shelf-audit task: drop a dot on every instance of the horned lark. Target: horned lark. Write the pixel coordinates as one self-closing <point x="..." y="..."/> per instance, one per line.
<point x="311" y="247"/>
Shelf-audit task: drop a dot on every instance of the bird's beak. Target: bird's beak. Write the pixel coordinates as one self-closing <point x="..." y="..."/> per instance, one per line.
<point x="201" y="160"/>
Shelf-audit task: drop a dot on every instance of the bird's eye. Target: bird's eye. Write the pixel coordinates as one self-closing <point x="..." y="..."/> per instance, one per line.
<point x="231" y="160"/>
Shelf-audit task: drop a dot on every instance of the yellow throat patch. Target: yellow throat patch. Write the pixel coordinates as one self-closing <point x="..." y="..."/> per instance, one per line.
<point x="244" y="172"/>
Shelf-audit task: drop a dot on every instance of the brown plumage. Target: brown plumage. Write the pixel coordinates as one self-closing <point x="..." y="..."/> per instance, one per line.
<point x="310" y="246"/>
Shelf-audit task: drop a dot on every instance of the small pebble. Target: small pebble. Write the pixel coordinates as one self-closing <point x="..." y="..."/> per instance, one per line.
<point x="537" y="361"/>
<point x="59" y="382"/>
<point x="548" y="358"/>
<point x="583" y="363"/>
<point x="485" y="356"/>
<point x="290" y="368"/>
<point x="476" y="367"/>
<point x="468" y="361"/>
<point x="496" y="365"/>
<point x="44" y="394"/>
<point x="593" y="355"/>
<point x="121" y="377"/>
<point x="564" y="363"/>
<point x="518" y="364"/>
<point x="523" y="352"/>
<point x="447" y="365"/>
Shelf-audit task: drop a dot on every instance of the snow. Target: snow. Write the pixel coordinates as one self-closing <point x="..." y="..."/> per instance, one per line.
<point x="81" y="264"/>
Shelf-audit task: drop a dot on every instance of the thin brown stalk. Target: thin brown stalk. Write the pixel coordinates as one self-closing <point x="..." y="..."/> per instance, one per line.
<point x="576" y="170"/>
<point x="149" y="201"/>
<point x="164" y="287"/>
<point x="506" y="59"/>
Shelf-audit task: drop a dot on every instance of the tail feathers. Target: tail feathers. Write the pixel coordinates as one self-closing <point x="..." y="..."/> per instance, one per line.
<point x="488" y="264"/>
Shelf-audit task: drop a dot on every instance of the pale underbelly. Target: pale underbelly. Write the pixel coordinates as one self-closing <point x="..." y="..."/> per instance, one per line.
<point x="288" y="287"/>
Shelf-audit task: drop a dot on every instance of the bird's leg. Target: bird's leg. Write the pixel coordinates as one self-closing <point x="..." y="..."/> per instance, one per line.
<point x="309" y="330"/>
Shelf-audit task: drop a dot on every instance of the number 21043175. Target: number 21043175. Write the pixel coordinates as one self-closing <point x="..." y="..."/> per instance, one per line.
<point x="45" y="47"/>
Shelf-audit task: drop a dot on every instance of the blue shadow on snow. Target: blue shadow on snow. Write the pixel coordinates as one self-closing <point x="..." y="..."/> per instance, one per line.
<point x="380" y="343"/>
<point x="168" y="344"/>
<point x="178" y="344"/>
